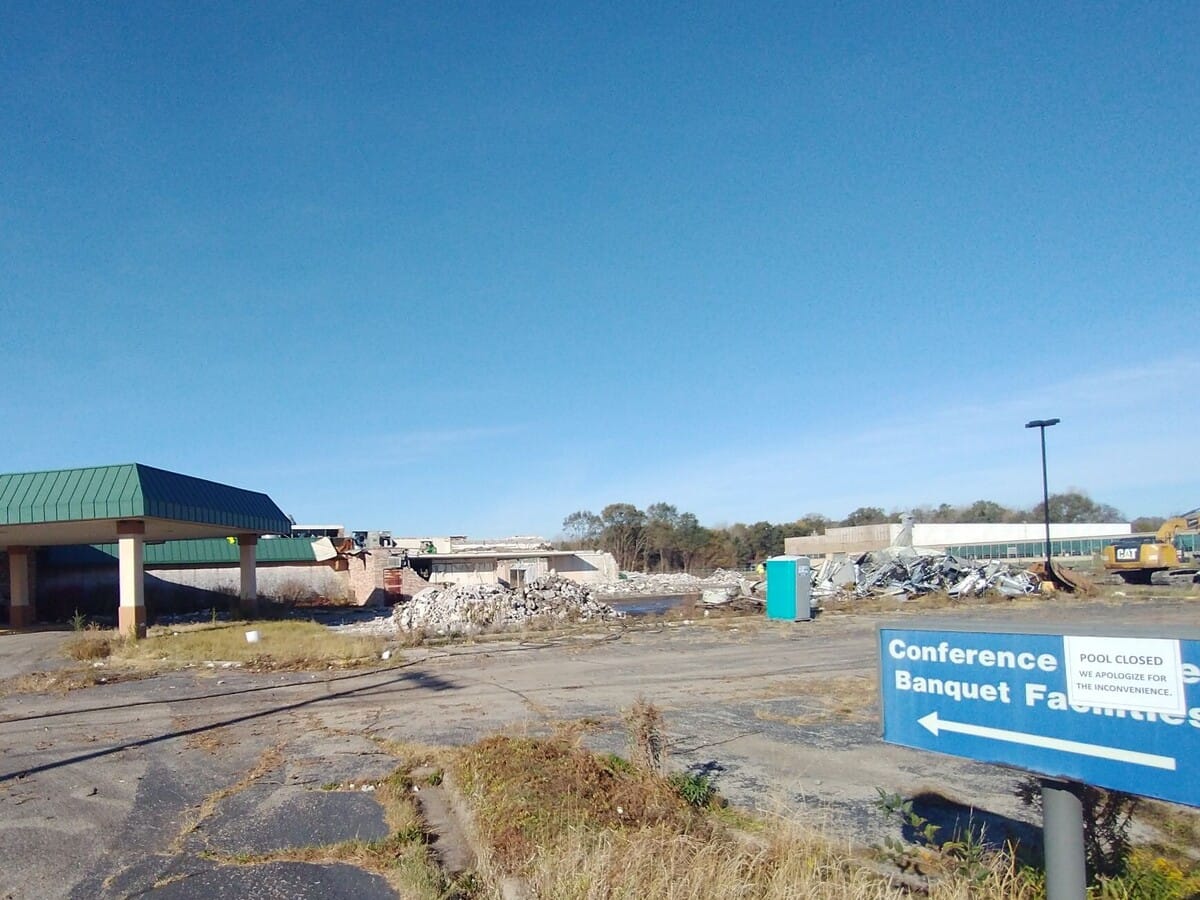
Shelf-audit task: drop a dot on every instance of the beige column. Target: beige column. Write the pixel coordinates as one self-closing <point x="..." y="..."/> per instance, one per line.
<point x="20" y="610"/>
<point x="247" y="559"/>
<point x="131" y="614"/>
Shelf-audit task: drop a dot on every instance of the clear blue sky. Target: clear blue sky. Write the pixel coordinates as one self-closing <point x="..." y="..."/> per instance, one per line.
<point x="469" y="268"/>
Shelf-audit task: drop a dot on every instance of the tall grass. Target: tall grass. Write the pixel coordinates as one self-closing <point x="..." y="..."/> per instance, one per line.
<point x="574" y="826"/>
<point x="791" y="862"/>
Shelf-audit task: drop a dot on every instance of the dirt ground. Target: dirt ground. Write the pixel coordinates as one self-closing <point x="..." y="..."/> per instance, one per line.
<point x="129" y="788"/>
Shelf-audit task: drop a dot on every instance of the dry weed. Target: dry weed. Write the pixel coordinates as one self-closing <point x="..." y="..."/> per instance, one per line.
<point x="88" y="647"/>
<point x="529" y="790"/>
<point x="575" y="826"/>
<point x="647" y="735"/>
<point x="790" y="862"/>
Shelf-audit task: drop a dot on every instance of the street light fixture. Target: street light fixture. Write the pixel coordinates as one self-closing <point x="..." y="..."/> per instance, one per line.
<point x="1043" y="424"/>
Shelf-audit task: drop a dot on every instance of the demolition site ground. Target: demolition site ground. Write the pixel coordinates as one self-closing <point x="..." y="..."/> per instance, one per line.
<point x="205" y="781"/>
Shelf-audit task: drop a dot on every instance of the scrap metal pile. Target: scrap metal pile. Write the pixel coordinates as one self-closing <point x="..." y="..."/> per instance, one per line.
<point x="472" y="608"/>
<point x="903" y="571"/>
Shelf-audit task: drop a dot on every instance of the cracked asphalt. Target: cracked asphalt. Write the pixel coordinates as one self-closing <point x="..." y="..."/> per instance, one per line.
<point x="169" y="787"/>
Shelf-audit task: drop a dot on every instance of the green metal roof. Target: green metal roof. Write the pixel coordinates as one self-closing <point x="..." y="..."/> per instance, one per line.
<point x="203" y="551"/>
<point x="134" y="491"/>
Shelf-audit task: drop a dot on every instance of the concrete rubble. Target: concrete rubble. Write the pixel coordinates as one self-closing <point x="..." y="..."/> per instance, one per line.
<point x="471" y="608"/>
<point x="669" y="583"/>
<point x="905" y="571"/>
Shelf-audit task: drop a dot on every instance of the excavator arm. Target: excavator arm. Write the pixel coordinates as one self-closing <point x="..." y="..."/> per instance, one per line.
<point x="1189" y="521"/>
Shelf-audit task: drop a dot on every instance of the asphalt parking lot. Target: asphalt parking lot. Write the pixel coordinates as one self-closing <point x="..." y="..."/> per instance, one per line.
<point x="130" y="788"/>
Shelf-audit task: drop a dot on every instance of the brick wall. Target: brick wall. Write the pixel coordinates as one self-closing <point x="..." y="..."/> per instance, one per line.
<point x="366" y="578"/>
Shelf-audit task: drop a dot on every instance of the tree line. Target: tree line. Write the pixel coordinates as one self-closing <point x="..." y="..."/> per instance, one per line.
<point x="660" y="538"/>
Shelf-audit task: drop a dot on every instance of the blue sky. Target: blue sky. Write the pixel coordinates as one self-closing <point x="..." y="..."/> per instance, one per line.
<point x="468" y="268"/>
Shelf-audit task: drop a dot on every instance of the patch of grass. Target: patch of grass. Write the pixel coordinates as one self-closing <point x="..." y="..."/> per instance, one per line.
<point x="88" y="647"/>
<point x="1150" y="877"/>
<point x="618" y="764"/>
<point x="696" y="790"/>
<point x="575" y="826"/>
<point x="281" y="645"/>
<point x="548" y="816"/>
<point x="1177" y="831"/>
<point x="529" y="791"/>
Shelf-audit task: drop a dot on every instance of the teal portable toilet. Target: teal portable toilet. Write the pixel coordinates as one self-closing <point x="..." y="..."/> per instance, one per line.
<point x="789" y="588"/>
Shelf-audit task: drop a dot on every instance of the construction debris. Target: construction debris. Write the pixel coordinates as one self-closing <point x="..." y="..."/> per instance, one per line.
<point x="904" y="572"/>
<point x="472" y="608"/>
<point x="671" y="583"/>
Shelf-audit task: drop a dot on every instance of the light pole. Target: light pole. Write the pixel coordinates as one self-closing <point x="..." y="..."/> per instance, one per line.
<point x="1043" y="424"/>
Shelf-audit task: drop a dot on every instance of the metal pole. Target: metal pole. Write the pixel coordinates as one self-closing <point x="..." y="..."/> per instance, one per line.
<point x="1046" y="503"/>
<point x="1043" y="424"/>
<point x="1062" y="835"/>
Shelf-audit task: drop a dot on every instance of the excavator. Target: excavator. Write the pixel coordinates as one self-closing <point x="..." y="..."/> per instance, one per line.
<point x="1137" y="559"/>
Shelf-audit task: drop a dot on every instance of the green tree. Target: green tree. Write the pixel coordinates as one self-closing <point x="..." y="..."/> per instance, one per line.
<point x="741" y="552"/>
<point x="624" y="533"/>
<point x="809" y="523"/>
<point x="765" y="540"/>
<point x="719" y="551"/>
<point x="1075" y="506"/>
<point x="661" y="522"/>
<point x="583" y="527"/>
<point x="690" y="537"/>
<point x="1144" y="524"/>
<point x="865" y="515"/>
<point x="986" y="511"/>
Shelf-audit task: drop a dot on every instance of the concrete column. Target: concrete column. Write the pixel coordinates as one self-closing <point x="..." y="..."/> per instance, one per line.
<point x="20" y="610"/>
<point x="247" y="559"/>
<point x="131" y="614"/>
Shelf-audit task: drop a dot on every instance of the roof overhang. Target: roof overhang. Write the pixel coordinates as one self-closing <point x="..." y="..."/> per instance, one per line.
<point x="105" y="531"/>
<point x="95" y="505"/>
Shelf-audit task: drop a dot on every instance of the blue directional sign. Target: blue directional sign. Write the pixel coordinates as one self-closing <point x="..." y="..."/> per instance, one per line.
<point x="1116" y="711"/>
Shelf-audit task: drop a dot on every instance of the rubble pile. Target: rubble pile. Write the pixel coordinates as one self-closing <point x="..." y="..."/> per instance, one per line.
<point x="903" y="571"/>
<point x="667" y="583"/>
<point x="471" y="608"/>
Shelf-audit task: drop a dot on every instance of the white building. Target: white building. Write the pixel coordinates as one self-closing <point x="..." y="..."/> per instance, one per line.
<point x="1008" y="540"/>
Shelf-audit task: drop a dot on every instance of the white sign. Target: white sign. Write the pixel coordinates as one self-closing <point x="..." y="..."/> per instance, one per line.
<point x="1135" y="674"/>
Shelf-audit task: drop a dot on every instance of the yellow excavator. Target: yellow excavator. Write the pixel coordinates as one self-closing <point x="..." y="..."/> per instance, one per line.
<point x="1137" y="559"/>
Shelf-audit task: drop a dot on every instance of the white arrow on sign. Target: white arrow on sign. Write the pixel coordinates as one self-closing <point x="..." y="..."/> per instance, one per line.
<point x="932" y="723"/>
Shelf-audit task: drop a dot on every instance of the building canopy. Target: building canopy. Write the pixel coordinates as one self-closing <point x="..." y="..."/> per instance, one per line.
<point x="83" y="506"/>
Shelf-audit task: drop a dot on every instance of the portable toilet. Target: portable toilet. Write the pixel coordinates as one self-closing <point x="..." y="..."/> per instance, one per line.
<point x="789" y="588"/>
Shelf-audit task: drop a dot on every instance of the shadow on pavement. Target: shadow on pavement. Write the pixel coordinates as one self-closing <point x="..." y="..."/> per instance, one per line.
<point x="409" y="680"/>
<point x="961" y="822"/>
<point x="79" y="710"/>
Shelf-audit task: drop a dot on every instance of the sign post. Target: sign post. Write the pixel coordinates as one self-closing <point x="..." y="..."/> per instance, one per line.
<point x="1119" y="711"/>
<point x="1062" y="832"/>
